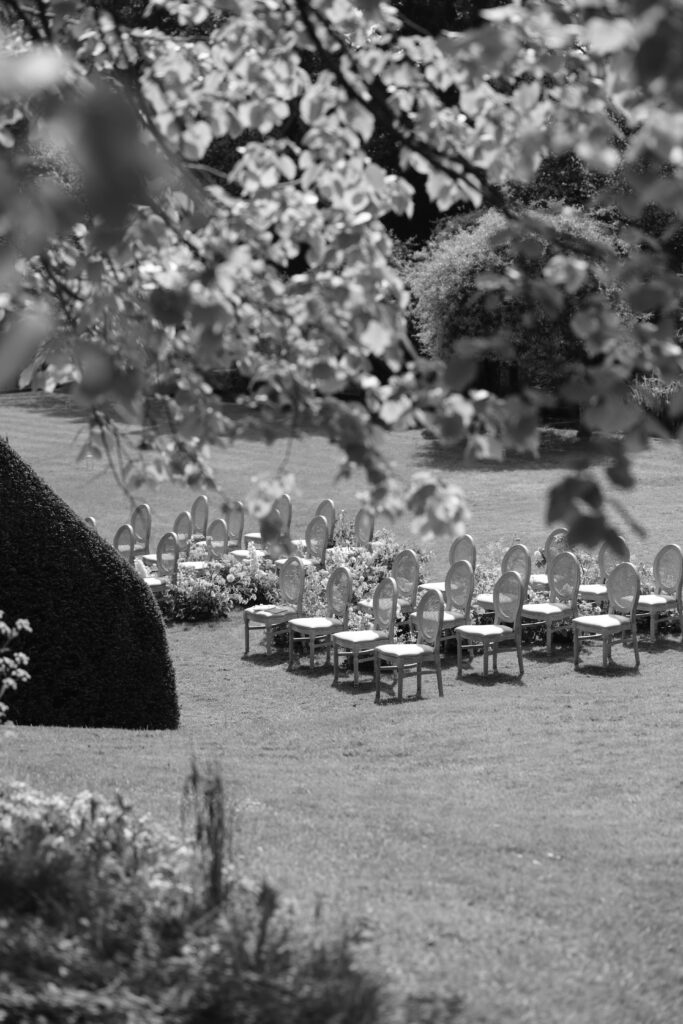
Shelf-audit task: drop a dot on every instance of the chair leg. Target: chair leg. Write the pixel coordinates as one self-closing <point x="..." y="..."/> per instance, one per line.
<point x="576" y="646"/>
<point x="653" y="625"/>
<point x="605" y="651"/>
<point x="269" y="641"/>
<point x="486" y="657"/>
<point x="377" y="677"/>
<point x="634" y="634"/>
<point x="458" y="645"/>
<point x="549" y="637"/>
<point x="246" y="636"/>
<point x="311" y="650"/>
<point x="335" y="663"/>
<point x="439" y="679"/>
<point x="328" y="646"/>
<point x="291" y="648"/>
<point x="520" y="659"/>
<point x="418" y="668"/>
<point x="356" y="681"/>
<point x="399" y="673"/>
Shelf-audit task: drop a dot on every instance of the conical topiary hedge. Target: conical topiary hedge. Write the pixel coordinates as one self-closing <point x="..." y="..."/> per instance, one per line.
<point x="98" y="650"/>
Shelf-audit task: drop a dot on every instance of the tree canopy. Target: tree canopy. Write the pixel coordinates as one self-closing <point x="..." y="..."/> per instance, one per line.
<point x="211" y="203"/>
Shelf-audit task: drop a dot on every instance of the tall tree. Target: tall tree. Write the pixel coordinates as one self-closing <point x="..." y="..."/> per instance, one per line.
<point x="160" y="269"/>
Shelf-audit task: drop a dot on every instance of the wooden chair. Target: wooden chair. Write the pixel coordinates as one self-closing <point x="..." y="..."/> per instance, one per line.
<point x="364" y="528"/>
<point x="462" y="549"/>
<point x="516" y="559"/>
<point x="564" y="579"/>
<point x="426" y="648"/>
<point x="167" y="554"/>
<point x="234" y="518"/>
<point x="623" y="593"/>
<point x="314" y="628"/>
<point x="182" y="528"/>
<point x="274" y="617"/>
<point x="199" y="514"/>
<point x="508" y="595"/>
<point x="459" y="587"/>
<point x="362" y="642"/>
<point x="668" y="573"/>
<point x="555" y="543"/>
<point x="608" y="558"/>
<point x="216" y="539"/>
<point x="124" y="542"/>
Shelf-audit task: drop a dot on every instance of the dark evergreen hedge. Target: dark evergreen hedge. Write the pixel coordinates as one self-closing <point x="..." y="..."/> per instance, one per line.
<point x="98" y="650"/>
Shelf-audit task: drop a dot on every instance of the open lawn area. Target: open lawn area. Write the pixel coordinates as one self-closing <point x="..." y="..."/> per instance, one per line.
<point x="514" y="847"/>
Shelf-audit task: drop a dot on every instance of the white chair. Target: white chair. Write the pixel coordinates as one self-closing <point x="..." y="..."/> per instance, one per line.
<point x="405" y="569"/>
<point x="327" y="510"/>
<point x="90" y="521"/>
<point x="426" y="648"/>
<point x="516" y="559"/>
<point x="555" y="543"/>
<point x="234" y="518"/>
<point x="141" y="521"/>
<point x="668" y="572"/>
<point x="216" y="539"/>
<point x="281" y="507"/>
<point x="166" y="570"/>
<point x="459" y="587"/>
<point x="364" y="528"/>
<point x="274" y="617"/>
<point x="182" y="528"/>
<point x="362" y="642"/>
<point x="609" y="556"/>
<point x="462" y="549"/>
<point x="564" y="579"/>
<point x="508" y="595"/>
<point x="315" y="552"/>
<point x="124" y="542"/>
<point x="272" y="526"/>
<point x="199" y="513"/>
<point x="314" y="628"/>
<point x="623" y="592"/>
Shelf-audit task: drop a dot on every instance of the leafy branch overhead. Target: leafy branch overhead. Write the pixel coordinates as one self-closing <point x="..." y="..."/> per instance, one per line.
<point x="198" y="192"/>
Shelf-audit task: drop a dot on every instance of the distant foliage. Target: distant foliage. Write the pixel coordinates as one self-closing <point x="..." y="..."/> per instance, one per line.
<point x="98" y="650"/>
<point x="466" y="285"/>
<point x="107" y="919"/>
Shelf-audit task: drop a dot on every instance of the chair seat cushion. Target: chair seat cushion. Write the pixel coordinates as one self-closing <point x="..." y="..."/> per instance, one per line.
<point x="243" y="553"/>
<point x="269" y="612"/>
<point x="545" y="609"/>
<point x="365" y="604"/>
<point x="602" y="622"/>
<point x="155" y="583"/>
<point x="358" y="637"/>
<point x="649" y="601"/>
<point x="440" y="587"/>
<point x="487" y="630"/>
<point x="314" y="622"/>
<point x="404" y="650"/>
<point x="484" y="601"/>
<point x="538" y="579"/>
<point x="593" y="590"/>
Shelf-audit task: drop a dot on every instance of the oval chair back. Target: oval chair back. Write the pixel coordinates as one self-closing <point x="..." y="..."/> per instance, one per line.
<point x="283" y="505"/>
<point x="339" y="594"/>
<point x="326" y="509"/>
<point x="317" y="535"/>
<point x="199" y="514"/>
<point x="141" y="521"/>
<point x="564" y="578"/>
<point x="168" y="552"/>
<point x="430" y="619"/>
<point x="291" y="582"/>
<point x="384" y="603"/>
<point x="555" y="543"/>
<point x="405" y="569"/>
<point x="459" y="588"/>
<point x="668" y="569"/>
<point x="234" y="519"/>
<point x="183" y="530"/>
<point x="508" y="597"/>
<point x="364" y="528"/>
<point x="217" y="538"/>
<point x="609" y="557"/>
<point x="517" y="559"/>
<point x="623" y="590"/>
<point x="90" y="521"/>
<point x="463" y="548"/>
<point x="124" y="542"/>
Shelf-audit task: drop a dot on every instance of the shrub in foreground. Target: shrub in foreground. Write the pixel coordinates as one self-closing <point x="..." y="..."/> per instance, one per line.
<point x="98" y="650"/>
<point x="109" y="920"/>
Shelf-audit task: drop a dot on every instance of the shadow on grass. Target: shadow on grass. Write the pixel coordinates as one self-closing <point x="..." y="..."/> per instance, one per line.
<point x="476" y="677"/>
<point x="613" y="669"/>
<point x="46" y="405"/>
<point x="558" y="449"/>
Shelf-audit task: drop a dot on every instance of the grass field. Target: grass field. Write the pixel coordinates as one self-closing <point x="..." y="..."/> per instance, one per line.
<point x="515" y="847"/>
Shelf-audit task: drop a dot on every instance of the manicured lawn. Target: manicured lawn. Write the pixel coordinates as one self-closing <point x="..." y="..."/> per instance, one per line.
<point x="515" y="845"/>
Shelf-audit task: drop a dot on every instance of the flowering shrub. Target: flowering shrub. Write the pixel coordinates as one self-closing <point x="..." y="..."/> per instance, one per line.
<point x="12" y="663"/>
<point x="195" y="598"/>
<point x="108" y="919"/>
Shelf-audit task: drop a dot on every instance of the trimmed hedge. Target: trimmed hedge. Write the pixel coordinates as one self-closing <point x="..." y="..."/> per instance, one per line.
<point x="98" y="651"/>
